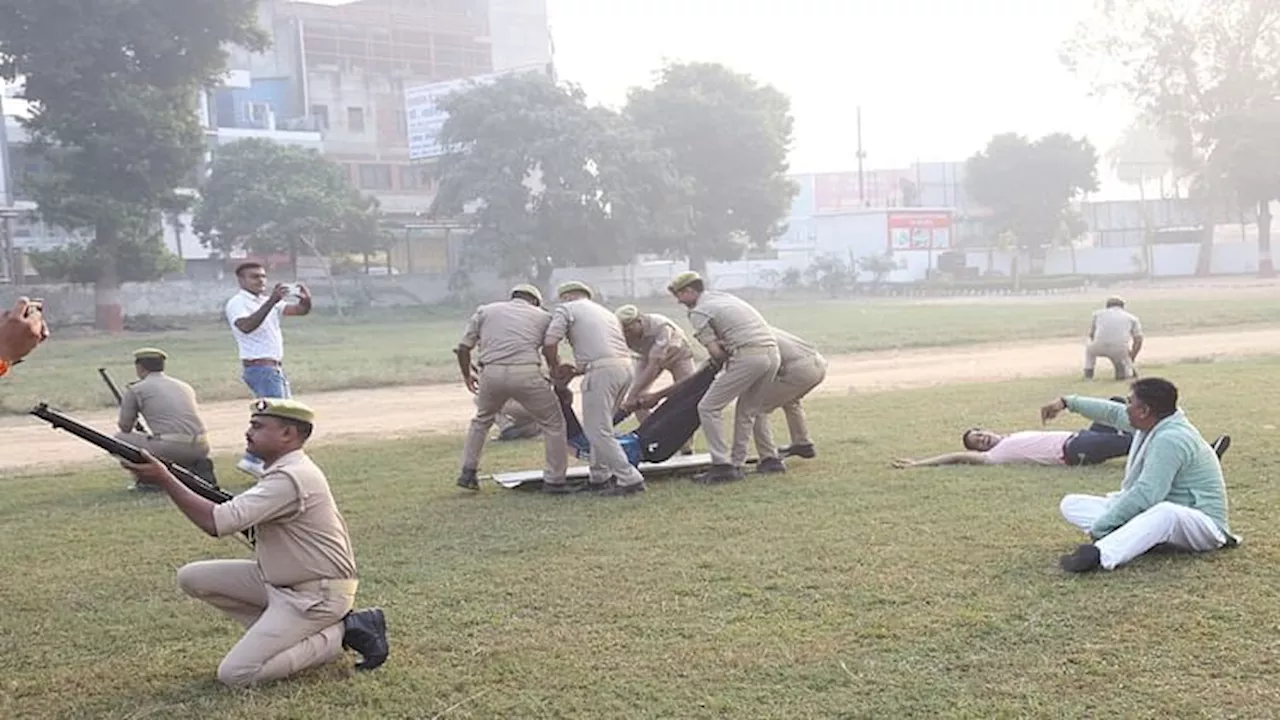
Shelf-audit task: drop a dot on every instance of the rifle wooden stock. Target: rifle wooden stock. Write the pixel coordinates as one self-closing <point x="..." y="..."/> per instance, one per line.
<point x="115" y="392"/>
<point x="132" y="453"/>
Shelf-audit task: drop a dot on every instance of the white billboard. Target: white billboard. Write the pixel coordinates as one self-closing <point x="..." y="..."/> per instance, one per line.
<point x="424" y="117"/>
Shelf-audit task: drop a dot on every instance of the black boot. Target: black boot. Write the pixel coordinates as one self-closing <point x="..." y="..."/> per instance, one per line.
<point x="1086" y="558"/>
<point x="366" y="634"/>
<point x="467" y="479"/>
<point x="770" y="465"/>
<point x="805" y="451"/>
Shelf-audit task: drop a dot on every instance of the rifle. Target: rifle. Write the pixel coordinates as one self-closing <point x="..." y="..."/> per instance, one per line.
<point x="138" y="425"/>
<point x="132" y="453"/>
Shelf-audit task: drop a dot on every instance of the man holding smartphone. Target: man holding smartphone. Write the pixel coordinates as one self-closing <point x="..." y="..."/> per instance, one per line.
<point x="254" y="316"/>
<point x="21" y="330"/>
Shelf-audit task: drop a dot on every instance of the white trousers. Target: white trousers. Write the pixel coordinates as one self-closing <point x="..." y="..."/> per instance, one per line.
<point x="1165" y="522"/>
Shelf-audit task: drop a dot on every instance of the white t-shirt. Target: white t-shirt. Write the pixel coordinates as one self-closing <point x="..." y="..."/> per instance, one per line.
<point x="266" y="342"/>
<point x="1031" y="446"/>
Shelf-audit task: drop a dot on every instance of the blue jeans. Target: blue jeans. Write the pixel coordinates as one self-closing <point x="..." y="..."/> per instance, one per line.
<point x="267" y="381"/>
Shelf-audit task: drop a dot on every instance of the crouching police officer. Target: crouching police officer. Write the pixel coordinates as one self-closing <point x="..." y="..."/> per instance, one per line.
<point x="295" y="597"/>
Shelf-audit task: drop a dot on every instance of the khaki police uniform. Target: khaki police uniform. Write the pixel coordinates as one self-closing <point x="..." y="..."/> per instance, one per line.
<point x="172" y="413"/>
<point x="509" y="337"/>
<point x="660" y="342"/>
<point x="802" y="368"/>
<point x="1113" y="328"/>
<point x="752" y="365"/>
<point x="293" y="595"/>
<point x="600" y="352"/>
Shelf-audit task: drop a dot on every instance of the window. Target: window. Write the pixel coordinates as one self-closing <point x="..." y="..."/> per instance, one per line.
<point x="375" y="177"/>
<point x="412" y="177"/>
<point x="355" y="119"/>
<point x="320" y="113"/>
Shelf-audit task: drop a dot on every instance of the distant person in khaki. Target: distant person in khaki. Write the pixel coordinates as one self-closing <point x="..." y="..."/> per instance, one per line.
<point x="802" y="368"/>
<point x="602" y="357"/>
<point x="508" y="338"/>
<point x="295" y="597"/>
<point x="735" y="334"/>
<point x="1109" y="337"/>
<point x="662" y="347"/>
<point x="21" y="330"/>
<point x="172" y="414"/>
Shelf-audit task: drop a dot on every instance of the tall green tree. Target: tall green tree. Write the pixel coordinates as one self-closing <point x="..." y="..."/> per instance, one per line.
<point x="546" y="181"/>
<point x="1143" y="154"/>
<point x="267" y="197"/>
<point x="1028" y="186"/>
<point x="729" y="136"/>
<point x="114" y="88"/>
<point x="1204" y="69"/>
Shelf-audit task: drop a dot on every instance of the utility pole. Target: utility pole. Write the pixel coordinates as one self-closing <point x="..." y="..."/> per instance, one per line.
<point x="11" y="273"/>
<point x="862" y="190"/>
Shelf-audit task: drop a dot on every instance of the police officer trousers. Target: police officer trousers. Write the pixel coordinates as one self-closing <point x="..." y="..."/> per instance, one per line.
<point x="746" y="376"/>
<point x="287" y="629"/>
<point x="184" y="451"/>
<point x="791" y="385"/>
<point x="528" y="386"/>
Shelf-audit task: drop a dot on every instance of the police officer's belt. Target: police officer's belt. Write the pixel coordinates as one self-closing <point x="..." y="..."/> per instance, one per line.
<point x="348" y="585"/>
<point x="607" y="362"/>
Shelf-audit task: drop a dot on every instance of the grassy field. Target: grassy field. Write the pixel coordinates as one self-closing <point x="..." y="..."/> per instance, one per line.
<point x="414" y="348"/>
<point x="845" y="589"/>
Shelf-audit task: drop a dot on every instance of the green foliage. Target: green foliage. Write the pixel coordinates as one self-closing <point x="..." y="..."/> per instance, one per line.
<point x="1029" y="185"/>
<point x="140" y="258"/>
<point x="546" y="180"/>
<point x="729" y="137"/>
<point x="114" y="87"/>
<point x="265" y="197"/>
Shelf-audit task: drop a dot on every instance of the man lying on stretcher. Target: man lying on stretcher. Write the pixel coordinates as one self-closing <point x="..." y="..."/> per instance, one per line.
<point x="667" y="429"/>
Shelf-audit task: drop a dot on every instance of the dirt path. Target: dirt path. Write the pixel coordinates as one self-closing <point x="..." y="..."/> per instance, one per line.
<point x="435" y="409"/>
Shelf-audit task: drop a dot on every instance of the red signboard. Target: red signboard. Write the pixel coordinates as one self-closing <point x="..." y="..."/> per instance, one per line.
<point x="919" y="230"/>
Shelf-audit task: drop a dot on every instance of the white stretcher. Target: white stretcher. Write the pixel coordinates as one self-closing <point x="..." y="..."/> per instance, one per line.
<point x="678" y="464"/>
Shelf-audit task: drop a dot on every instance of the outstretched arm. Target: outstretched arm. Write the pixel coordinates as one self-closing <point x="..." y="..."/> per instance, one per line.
<point x="967" y="457"/>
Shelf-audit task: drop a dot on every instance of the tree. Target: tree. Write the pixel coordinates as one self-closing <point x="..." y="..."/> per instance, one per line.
<point x="1142" y="154"/>
<point x="267" y="197"/>
<point x="1197" y="68"/>
<point x="114" y="87"/>
<point x="729" y="137"/>
<point x="1029" y="186"/>
<point x="141" y="256"/>
<point x="547" y="181"/>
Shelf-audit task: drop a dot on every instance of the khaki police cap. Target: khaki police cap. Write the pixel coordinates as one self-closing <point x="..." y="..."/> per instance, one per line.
<point x="283" y="408"/>
<point x="150" y="352"/>
<point x="574" y="286"/>
<point x="682" y="281"/>
<point x="529" y="290"/>
<point x="627" y="314"/>
<point x="1115" y="300"/>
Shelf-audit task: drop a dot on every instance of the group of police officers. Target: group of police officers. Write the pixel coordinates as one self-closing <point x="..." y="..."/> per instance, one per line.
<point x="761" y="367"/>
<point x="296" y="597"/>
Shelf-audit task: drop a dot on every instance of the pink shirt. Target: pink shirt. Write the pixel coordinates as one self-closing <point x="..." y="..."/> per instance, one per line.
<point x="1030" y="446"/>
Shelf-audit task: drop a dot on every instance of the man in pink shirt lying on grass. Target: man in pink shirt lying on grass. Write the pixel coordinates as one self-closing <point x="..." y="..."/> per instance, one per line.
<point x="1096" y="444"/>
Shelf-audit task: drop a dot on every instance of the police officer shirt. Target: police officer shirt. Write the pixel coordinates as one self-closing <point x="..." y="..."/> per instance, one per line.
<point x="168" y="404"/>
<point x="594" y="332"/>
<point x="300" y="535"/>
<point x="731" y="321"/>
<point x="507" y="333"/>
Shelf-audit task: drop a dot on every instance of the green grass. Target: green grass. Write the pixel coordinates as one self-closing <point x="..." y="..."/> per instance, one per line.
<point x="408" y="347"/>
<point x="845" y="589"/>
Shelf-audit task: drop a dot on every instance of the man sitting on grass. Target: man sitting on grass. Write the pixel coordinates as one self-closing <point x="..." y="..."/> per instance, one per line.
<point x="1096" y="444"/>
<point x="1173" y="492"/>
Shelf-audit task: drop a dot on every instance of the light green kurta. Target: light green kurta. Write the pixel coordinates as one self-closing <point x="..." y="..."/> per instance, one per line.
<point x="1171" y="463"/>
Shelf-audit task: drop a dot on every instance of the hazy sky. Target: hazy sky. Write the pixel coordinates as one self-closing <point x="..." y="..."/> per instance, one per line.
<point x="935" y="78"/>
